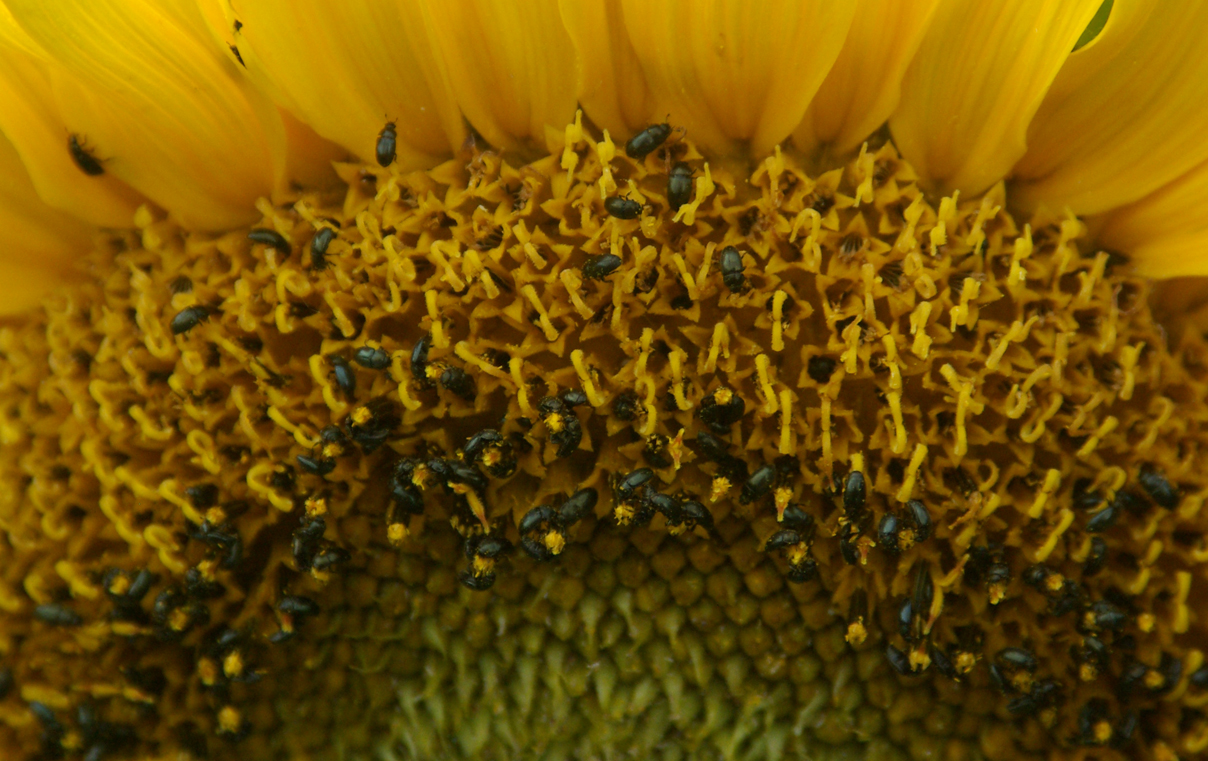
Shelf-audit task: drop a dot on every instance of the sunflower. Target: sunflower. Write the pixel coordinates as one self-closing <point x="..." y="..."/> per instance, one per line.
<point x="814" y="379"/>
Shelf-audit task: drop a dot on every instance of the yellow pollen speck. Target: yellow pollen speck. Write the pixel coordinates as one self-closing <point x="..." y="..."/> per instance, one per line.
<point x="919" y="659"/>
<point x="554" y="542"/>
<point x="997" y="593"/>
<point x="229" y="719"/>
<point x="675" y="449"/>
<point x="1054" y="581"/>
<point x="482" y="566"/>
<point x="207" y="669"/>
<point x="1048" y="717"/>
<point x="1102" y="731"/>
<point x="856" y="632"/>
<point x="1146" y="622"/>
<point x="1087" y="672"/>
<point x="797" y="554"/>
<point x="781" y="497"/>
<point x="316" y="506"/>
<point x="964" y="662"/>
<point x="421" y="477"/>
<point x="118" y="584"/>
<point x="719" y="488"/>
<point x="1022" y="681"/>
<point x="72" y="741"/>
<point x="178" y="619"/>
<point x="1154" y="679"/>
<point x="232" y="664"/>
<point x="396" y="533"/>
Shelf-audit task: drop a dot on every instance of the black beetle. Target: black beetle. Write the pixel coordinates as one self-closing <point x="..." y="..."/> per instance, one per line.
<point x="645" y="142"/>
<point x="477" y="443"/>
<point x="627" y="486"/>
<point x="573" y="397"/>
<point x="318" y="247"/>
<point x="535" y="517"/>
<point x="1103" y="519"/>
<point x="1106" y="615"/>
<point x="1016" y="658"/>
<point x="820" y="368"/>
<point x="732" y="269"/>
<point x="57" y="615"/>
<point x="459" y="382"/>
<point x="679" y="186"/>
<point x="318" y="466"/>
<point x="330" y="556"/>
<point x="898" y="660"/>
<point x="373" y="358"/>
<point x="622" y="208"/>
<point x="887" y="533"/>
<point x="578" y="506"/>
<point x="419" y="361"/>
<point x="385" y="145"/>
<point x="781" y="539"/>
<point x="346" y="378"/>
<point x="87" y="163"/>
<point x="1199" y="678"/>
<point x="625" y="406"/>
<point x="298" y="607"/>
<point x="1096" y="559"/>
<point x="188" y="318"/>
<point x="712" y="447"/>
<point x="268" y="237"/>
<point x="600" y="267"/>
<point x="758" y="485"/>
<point x="477" y="582"/>
<point x="490" y="547"/>
<point x="854" y="494"/>
<point x="1158" y="488"/>
<point x="922" y="520"/>
<point x="942" y="662"/>
<point x="721" y="409"/>
<point x="693" y="513"/>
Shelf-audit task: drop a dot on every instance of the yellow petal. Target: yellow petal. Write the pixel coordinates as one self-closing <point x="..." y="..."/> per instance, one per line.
<point x="41" y="244"/>
<point x="731" y="73"/>
<point x="612" y="88"/>
<point x="865" y="84"/>
<point x="1128" y="113"/>
<point x="511" y="65"/>
<point x="1165" y="233"/>
<point x="978" y="77"/>
<point x="30" y="119"/>
<point x="300" y="155"/>
<point x="347" y="68"/>
<point x="159" y="102"/>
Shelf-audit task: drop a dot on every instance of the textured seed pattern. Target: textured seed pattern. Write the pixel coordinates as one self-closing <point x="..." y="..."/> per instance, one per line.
<point x="875" y="522"/>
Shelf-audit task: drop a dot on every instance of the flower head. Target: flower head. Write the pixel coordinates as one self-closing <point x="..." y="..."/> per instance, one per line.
<point x="492" y="380"/>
